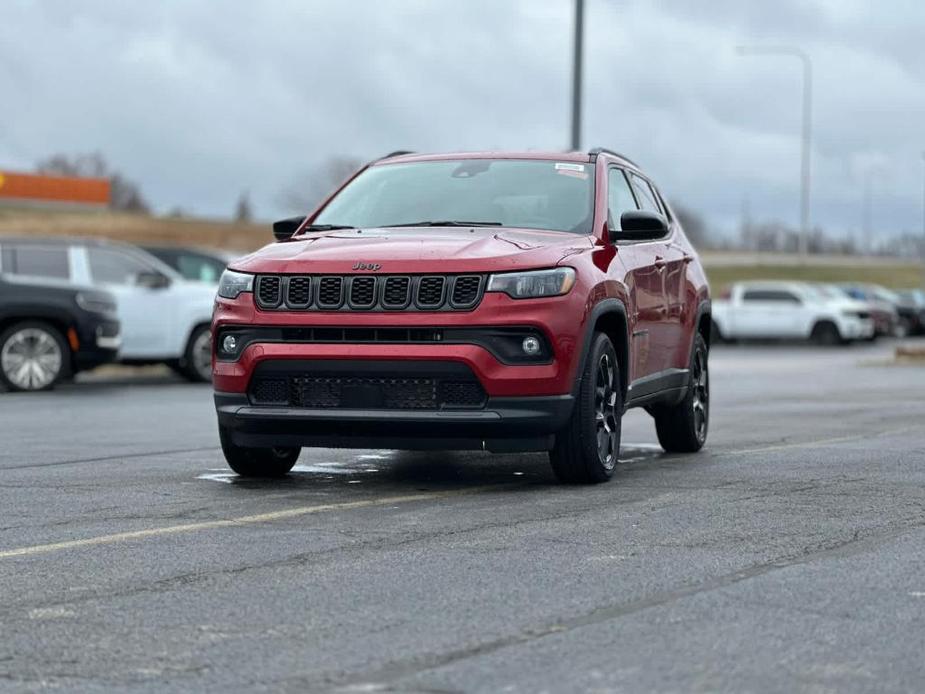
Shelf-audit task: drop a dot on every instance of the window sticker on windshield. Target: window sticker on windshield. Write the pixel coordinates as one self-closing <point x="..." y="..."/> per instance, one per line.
<point x="576" y="170"/>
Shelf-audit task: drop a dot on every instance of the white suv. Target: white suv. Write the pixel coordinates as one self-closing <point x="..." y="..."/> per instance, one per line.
<point x="789" y="310"/>
<point x="165" y="318"/>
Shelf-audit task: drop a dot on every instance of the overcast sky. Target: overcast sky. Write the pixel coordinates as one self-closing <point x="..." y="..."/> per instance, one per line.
<point x="201" y="99"/>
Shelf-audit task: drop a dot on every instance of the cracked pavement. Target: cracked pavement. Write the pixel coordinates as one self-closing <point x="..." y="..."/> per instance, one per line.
<point x="788" y="556"/>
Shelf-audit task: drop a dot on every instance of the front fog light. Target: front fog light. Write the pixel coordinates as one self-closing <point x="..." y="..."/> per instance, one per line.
<point x="531" y="346"/>
<point x="229" y="344"/>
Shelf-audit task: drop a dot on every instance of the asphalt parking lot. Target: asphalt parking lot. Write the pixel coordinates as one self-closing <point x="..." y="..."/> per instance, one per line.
<point x="787" y="556"/>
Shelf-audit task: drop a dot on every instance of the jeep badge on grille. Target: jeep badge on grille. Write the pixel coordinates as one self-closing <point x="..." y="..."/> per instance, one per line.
<point x="367" y="266"/>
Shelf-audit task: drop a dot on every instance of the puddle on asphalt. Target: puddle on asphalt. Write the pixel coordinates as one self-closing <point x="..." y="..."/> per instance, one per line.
<point x="366" y="463"/>
<point x="328" y="470"/>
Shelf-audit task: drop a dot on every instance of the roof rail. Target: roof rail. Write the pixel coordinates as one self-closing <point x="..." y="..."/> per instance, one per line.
<point x="603" y="150"/>
<point x="397" y="153"/>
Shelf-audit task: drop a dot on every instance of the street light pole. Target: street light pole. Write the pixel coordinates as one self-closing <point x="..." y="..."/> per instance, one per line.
<point x="576" y="74"/>
<point x="805" y="163"/>
<point x="923" y="220"/>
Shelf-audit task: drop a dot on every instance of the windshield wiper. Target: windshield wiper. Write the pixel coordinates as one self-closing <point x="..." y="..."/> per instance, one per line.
<point x="445" y="223"/>
<point x="327" y="227"/>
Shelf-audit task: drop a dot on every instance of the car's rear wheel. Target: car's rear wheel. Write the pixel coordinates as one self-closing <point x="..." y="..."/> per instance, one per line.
<point x="33" y="356"/>
<point x="586" y="450"/>
<point x="257" y="462"/>
<point x="682" y="428"/>
<point x="826" y="333"/>
<point x="196" y="365"/>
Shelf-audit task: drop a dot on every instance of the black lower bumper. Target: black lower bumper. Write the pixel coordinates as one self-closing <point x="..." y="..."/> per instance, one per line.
<point x="503" y="425"/>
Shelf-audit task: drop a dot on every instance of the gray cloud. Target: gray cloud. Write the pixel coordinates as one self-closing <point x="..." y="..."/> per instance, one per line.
<point x="199" y="100"/>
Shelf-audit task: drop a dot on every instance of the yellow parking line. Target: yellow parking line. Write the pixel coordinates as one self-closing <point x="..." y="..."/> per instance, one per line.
<point x="231" y="522"/>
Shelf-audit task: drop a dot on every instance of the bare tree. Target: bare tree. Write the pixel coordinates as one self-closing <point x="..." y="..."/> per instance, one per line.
<point x="694" y="227"/>
<point x="242" y="210"/>
<point x="125" y="195"/>
<point x="315" y="185"/>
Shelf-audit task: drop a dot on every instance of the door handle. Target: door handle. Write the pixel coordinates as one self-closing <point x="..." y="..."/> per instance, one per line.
<point x="660" y="262"/>
<point x="688" y="259"/>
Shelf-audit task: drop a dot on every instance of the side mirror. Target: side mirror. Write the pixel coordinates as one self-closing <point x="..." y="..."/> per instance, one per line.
<point x="152" y="279"/>
<point x="285" y="228"/>
<point x="640" y="225"/>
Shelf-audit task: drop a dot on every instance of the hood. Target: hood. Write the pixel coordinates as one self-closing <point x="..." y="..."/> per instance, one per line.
<point x="416" y="250"/>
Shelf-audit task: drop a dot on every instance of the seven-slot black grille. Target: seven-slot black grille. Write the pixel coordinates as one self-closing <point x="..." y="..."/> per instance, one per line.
<point x="369" y="292"/>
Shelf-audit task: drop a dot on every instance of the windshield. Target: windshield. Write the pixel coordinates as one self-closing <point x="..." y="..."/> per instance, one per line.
<point x="531" y="194"/>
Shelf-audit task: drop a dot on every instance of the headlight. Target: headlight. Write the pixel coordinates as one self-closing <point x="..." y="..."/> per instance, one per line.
<point x="233" y="283"/>
<point x="530" y="285"/>
<point x="95" y="302"/>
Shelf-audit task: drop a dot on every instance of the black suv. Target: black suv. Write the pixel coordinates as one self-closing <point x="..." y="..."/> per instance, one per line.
<point x="49" y="332"/>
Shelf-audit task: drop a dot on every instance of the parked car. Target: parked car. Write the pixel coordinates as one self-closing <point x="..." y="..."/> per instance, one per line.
<point x="193" y="263"/>
<point x="49" y="332"/>
<point x="165" y="318"/>
<point x="505" y="302"/>
<point x="881" y="305"/>
<point x="912" y="303"/>
<point x="790" y="311"/>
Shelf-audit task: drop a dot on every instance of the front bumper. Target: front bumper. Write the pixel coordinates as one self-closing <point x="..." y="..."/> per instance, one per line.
<point x="98" y="343"/>
<point x="505" y="424"/>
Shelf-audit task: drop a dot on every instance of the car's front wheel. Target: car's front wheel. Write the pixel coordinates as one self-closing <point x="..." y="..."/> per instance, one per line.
<point x="587" y="448"/>
<point x="33" y="356"/>
<point x="257" y="462"/>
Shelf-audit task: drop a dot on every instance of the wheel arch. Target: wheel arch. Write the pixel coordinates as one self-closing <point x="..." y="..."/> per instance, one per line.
<point x="60" y="320"/>
<point x="608" y="316"/>
<point x="703" y="321"/>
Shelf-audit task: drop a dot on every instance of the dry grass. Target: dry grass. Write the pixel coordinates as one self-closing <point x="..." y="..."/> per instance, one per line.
<point x="135" y="228"/>
<point x="897" y="275"/>
<point x="722" y="268"/>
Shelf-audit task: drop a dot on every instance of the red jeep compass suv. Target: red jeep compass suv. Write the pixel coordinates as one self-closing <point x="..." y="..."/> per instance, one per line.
<point x="498" y="301"/>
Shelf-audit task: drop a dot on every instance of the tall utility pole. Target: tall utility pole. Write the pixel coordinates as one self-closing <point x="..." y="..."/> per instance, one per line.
<point x="866" y="214"/>
<point x="923" y="220"/>
<point x="805" y="172"/>
<point x="576" y="74"/>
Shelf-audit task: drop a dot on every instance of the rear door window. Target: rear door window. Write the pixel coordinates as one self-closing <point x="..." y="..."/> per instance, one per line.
<point x="108" y="266"/>
<point x="36" y="261"/>
<point x="776" y="295"/>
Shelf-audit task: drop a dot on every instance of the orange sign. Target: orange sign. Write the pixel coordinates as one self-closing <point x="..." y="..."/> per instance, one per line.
<point x="39" y="187"/>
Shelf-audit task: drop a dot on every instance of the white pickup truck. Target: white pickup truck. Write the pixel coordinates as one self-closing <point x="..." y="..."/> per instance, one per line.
<point x="789" y="311"/>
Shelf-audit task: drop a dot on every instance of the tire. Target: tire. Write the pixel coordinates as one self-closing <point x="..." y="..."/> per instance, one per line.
<point x="826" y="334"/>
<point x="716" y="335"/>
<point x="587" y="448"/>
<point x="196" y="365"/>
<point x="33" y="356"/>
<point x="683" y="428"/>
<point x="257" y="462"/>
